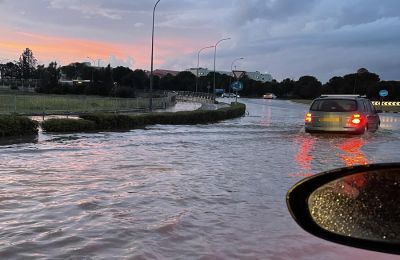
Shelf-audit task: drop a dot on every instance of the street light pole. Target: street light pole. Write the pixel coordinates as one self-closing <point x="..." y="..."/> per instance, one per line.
<point x="215" y="56"/>
<point x="234" y="62"/>
<point x="198" y="63"/>
<point x="152" y="51"/>
<point x="92" y="69"/>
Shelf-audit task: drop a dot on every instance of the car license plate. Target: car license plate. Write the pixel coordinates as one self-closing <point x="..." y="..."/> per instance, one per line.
<point x="329" y="119"/>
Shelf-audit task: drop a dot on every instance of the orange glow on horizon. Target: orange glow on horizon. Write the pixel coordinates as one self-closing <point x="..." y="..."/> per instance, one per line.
<point x="66" y="50"/>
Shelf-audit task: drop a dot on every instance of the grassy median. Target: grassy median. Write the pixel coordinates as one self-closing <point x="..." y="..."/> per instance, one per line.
<point x="109" y="122"/>
<point x="12" y="125"/>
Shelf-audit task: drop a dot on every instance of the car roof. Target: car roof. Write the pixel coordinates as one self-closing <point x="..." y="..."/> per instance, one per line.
<point x="351" y="97"/>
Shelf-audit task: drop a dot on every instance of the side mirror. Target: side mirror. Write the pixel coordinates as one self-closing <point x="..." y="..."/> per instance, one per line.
<point x="356" y="206"/>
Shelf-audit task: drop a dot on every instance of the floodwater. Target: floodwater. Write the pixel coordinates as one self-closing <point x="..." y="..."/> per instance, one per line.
<point x="177" y="192"/>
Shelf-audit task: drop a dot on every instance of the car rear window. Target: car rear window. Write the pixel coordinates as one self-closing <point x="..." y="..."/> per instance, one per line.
<point x="334" y="105"/>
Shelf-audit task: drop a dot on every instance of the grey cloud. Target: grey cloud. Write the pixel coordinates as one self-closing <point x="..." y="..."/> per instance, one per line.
<point x="286" y="37"/>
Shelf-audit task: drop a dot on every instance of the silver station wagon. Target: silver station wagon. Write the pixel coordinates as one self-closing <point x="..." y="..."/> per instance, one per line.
<point x="342" y="114"/>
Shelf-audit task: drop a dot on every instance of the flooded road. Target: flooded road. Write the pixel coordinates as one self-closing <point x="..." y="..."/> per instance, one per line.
<point x="177" y="192"/>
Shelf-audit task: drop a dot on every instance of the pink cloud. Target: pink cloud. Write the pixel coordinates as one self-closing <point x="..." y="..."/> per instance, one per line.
<point x="48" y="48"/>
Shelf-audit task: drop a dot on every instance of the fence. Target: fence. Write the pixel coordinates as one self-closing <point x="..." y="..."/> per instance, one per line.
<point x="198" y="97"/>
<point x="65" y="105"/>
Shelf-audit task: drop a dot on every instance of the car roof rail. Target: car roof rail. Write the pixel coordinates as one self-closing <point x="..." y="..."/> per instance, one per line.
<point x="340" y="95"/>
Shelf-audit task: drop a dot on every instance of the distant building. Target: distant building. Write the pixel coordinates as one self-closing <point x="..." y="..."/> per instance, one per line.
<point x="202" y="71"/>
<point x="75" y="82"/>
<point x="256" y="75"/>
<point x="263" y="77"/>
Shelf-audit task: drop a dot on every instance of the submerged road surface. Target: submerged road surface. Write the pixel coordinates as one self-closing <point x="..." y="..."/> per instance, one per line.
<point x="177" y="192"/>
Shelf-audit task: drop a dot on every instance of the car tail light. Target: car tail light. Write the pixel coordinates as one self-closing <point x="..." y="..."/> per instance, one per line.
<point x="308" y="118"/>
<point x="356" y="119"/>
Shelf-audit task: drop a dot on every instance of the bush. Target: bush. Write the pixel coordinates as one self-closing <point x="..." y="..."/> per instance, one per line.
<point x="68" y="125"/>
<point x="101" y="121"/>
<point x="12" y="125"/>
<point x="114" y="121"/>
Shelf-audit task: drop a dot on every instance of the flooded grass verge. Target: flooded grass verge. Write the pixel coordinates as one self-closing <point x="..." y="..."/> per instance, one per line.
<point x="102" y="121"/>
<point x="12" y="125"/>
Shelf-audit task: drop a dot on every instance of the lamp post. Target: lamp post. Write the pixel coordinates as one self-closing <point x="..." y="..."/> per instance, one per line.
<point x="232" y="71"/>
<point x="92" y="69"/>
<point x="215" y="55"/>
<point x="152" y="51"/>
<point x="198" y="63"/>
<point x="234" y="62"/>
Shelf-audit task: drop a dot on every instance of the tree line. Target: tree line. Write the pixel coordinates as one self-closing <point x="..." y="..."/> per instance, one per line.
<point x="125" y="82"/>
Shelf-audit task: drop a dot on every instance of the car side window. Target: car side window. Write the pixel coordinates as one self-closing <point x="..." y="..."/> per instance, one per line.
<point x="363" y="106"/>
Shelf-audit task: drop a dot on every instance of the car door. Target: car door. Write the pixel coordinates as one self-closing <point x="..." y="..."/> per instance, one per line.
<point x="372" y="116"/>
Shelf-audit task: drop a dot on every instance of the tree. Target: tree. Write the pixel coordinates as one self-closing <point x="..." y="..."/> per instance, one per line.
<point x="308" y="87"/>
<point x="119" y="73"/>
<point x="185" y="81"/>
<point x="10" y="70"/>
<point x="48" y="78"/>
<point x="27" y="64"/>
<point x="334" y="86"/>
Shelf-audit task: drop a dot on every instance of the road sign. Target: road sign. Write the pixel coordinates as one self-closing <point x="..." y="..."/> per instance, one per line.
<point x="237" y="86"/>
<point x="383" y="93"/>
<point x="238" y="73"/>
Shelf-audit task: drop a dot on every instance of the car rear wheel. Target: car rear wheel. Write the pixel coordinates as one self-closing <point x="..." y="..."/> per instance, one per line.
<point x="363" y="130"/>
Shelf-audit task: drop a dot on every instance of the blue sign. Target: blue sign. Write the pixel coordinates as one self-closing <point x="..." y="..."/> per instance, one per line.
<point x="383" y="93"/>
<point x="237" y="86"/>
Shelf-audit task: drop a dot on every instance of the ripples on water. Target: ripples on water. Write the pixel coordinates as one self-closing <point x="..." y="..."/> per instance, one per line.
<point x="176" y="192"/>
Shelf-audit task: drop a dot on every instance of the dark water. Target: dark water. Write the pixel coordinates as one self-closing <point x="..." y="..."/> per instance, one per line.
<point x="177" y="192"/>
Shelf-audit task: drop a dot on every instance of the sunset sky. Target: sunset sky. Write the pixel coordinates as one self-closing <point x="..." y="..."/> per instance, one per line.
<point x="287" y="38"/>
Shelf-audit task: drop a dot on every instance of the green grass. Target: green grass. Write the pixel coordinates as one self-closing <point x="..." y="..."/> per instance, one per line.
<point x="302" y="101"/>
<point x="34" y="104"/>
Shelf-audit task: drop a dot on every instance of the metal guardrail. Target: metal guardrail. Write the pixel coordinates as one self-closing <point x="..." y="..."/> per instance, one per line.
<point x="197" y="97"/>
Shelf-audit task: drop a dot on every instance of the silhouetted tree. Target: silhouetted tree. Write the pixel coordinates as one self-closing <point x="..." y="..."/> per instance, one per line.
<point x="308" y="87"/>
<point x="27" y="64"/>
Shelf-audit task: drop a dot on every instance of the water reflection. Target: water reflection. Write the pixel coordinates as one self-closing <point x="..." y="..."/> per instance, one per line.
<point x="347" y="148"/>
<point x="304" y="157"/>
<point x="266" y="115"/>
<point x="389" y="121"/>
<point x="351" y="153"/>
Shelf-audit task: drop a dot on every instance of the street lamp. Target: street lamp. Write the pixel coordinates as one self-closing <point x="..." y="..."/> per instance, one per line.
<point x="152" y="51"/>
<point x="234" y="62"/>
<point x="92" y="69"/>
<point x="232" y="71"/>
<point x="215" y="55"/>
<point x="198" y="63"/>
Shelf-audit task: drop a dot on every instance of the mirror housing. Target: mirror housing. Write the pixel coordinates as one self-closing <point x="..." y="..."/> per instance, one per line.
<point x="299" y="196"/>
